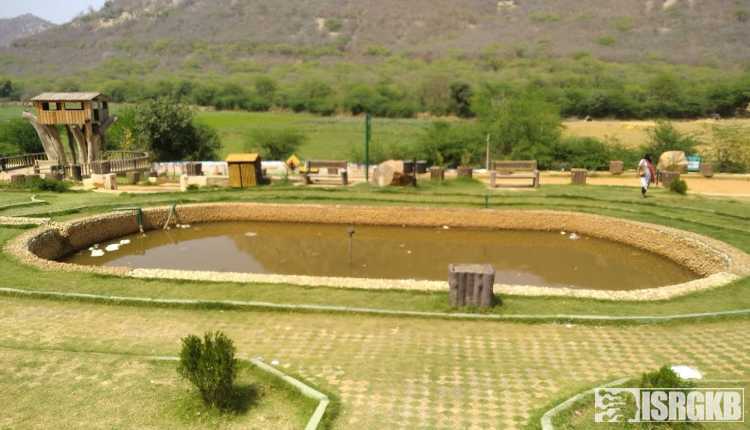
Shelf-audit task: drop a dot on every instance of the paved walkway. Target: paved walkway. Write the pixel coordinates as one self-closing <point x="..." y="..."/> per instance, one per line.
<point x="401" y="373"/>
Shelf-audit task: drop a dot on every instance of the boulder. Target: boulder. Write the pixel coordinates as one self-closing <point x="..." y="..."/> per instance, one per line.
<point x="383" y="174"/>
<point x="673" y="161"/>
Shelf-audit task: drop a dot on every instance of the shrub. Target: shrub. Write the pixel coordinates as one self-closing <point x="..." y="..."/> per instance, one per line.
<point x="210" y="366"/>
<point x="665" y="137"/>
<point x="275" y="144"/>
<point x="679" y="186"/>
<point x="452" y="142"/>
<point x="663" y="378"/>
<point x="42" y="185"/>
<point x="606" y="41"/>
<point x="19" y="135"/>
<point x="731" y="148"/>
<point x="584" y="152"/>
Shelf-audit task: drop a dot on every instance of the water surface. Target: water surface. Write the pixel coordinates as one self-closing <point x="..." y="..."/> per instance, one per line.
<point x="520" y="257"/>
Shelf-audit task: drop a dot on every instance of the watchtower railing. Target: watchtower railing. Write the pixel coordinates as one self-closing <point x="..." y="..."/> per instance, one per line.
<point x="23" y="161"/>
<point x="117" y="162"/>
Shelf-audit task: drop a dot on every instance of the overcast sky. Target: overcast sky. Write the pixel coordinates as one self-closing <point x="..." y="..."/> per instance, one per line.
<point x="57" y="11"/>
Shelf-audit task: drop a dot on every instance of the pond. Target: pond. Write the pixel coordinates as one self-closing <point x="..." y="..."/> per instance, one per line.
<point x="547" y="259"/>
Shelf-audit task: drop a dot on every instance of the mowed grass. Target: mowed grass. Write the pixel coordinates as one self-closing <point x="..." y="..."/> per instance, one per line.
<point x="580" y="416"/>
<point x="727" y="220"/>
<point x="327" y="137"/>
<point x="58" y="388"/>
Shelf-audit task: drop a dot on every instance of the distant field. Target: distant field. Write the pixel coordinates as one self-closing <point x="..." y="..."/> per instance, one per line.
<point x="328" y="137"/>
<point x="635" y="133"/>
<point x="337" y="137"/>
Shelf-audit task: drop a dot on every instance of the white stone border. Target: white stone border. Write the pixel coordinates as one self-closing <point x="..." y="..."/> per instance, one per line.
<point x="547" y="423"/>
<point x="719" y="264"/>
<point x="311" y="393"/>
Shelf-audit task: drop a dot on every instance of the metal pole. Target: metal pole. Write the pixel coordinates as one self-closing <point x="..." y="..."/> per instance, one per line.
<point x="489" y="163"/>
<point x="368" y="134"/>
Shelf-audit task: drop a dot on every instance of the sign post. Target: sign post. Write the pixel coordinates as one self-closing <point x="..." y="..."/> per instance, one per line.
<point x="368" y="135"/>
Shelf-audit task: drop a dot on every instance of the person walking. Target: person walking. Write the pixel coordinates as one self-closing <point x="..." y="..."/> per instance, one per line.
<point x="647" y="173"/>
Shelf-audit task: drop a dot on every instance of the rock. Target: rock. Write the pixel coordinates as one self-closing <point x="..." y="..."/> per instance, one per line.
<point x="383" y="174"/>
<point x="673" y="161"/>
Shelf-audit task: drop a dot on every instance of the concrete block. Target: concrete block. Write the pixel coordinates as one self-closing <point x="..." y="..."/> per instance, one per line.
<point x="110" y="181"/>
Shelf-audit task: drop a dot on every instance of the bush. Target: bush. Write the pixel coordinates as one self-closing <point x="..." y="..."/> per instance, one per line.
<point x="275" y="144"/>
<point x="19" y="136"/>
<point x="731" y="148"/>
<point x="211" y="367"/>
<point x="44" y="185"/>
<point x="665" y="137"/>
<point x="583" y="152"/>
<point x="663" y="378"/>
<point x="451" y="142"/>
<point x="679" y="186"/>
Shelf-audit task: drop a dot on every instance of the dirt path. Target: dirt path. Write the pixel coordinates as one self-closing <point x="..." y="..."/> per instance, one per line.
<point x="739" y="187"/>
<point x="402" y="373"/>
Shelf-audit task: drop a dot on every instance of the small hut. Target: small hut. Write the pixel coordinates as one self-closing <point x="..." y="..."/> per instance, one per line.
<point x="245" y="170"/>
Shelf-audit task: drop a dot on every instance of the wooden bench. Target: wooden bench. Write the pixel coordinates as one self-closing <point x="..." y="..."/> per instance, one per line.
<point x="514" y="170"/>
<point x="334" y="169"/>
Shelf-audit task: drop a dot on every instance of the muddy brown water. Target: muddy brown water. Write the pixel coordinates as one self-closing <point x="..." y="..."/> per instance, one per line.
<point x="547" y="259"/>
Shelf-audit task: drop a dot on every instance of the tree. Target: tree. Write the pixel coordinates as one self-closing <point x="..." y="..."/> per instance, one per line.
<point x="6" y="89"/>
<point x="20" y="137"/>
<point x="275" y="144"/>
<point x="446" y="143"/>
<point x="521" y="125"/>
<point x="665" y="137"/>
<point x="461" y="94"/>
<point x="166" y="129"/>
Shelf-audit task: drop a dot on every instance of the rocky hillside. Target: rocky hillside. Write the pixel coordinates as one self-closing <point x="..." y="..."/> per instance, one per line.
<point x="218" y="33"/>
<point x="21" y="26"/>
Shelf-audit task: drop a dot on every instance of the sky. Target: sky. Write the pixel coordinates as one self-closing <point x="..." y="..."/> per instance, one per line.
<point x="57" y="11"/>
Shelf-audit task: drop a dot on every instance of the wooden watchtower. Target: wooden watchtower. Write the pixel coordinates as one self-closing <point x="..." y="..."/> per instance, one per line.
<point x="85" y="117"/>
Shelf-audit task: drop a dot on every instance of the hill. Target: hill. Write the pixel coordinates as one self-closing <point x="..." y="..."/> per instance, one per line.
<point x="219" y="33"/>
<point x="12" y="29"/>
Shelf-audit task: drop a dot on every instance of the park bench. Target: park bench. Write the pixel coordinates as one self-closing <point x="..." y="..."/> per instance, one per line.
<point x="325" y="170"/>
<point x="514" y="170"/>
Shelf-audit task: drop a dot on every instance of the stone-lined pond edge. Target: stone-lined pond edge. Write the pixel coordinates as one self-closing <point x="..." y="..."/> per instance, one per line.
<point x="717" y="263"/>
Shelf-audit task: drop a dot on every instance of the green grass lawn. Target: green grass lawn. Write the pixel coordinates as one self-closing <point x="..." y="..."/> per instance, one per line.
<point x="727" y="220"/>
<point x="58" y="388"/>
<point x="327" y="138"/>
<point x="581" y="415"/>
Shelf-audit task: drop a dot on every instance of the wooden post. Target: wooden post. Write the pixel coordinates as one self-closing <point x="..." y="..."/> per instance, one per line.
<point x="437" y="174"/>
<point x="471" y="285"/>
<point x="578" y="176"/>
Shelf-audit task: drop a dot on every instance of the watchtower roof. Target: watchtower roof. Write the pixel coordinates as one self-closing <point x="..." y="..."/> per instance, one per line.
<point x="66" y="97"/>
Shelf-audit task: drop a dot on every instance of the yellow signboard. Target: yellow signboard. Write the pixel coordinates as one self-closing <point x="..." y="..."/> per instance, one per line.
<point x="293" y="162"/>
